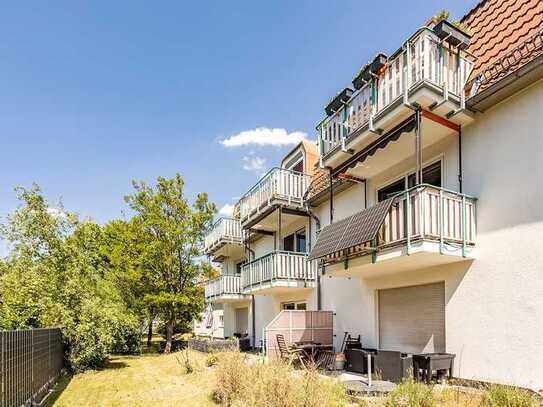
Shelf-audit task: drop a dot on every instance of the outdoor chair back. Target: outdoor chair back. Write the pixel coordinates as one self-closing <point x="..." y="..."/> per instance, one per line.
<point x="282" y="345"/>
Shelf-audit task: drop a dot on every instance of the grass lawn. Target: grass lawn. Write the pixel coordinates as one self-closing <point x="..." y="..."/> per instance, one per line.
<point x="146" y="380"/>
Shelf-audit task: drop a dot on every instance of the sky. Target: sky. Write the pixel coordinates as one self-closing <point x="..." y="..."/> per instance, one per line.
<point x="95" y="94"/>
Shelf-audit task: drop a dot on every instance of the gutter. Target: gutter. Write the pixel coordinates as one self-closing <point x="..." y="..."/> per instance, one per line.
<point x="507" y="86"/>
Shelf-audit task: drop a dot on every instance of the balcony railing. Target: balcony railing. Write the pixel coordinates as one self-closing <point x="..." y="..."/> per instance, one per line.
<point x="224" y="285"/>
<point x="424" y="59"/>
<point x="278" y="185"/>
<point x="224" y="231"/>
<point x="424" y="213"/>
<point x="278" y="266"/>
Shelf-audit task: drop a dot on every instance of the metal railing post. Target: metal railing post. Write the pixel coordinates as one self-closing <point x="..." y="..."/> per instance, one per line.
<point x="409" y="220"/>
<point x="463" y="226"/>
<point x="441" y="220"/>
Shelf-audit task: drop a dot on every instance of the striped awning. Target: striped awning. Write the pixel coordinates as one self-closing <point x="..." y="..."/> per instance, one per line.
<point x="357" y="229"/>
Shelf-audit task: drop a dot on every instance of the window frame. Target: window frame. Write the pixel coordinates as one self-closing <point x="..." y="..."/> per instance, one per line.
<point x="405" y="175"/>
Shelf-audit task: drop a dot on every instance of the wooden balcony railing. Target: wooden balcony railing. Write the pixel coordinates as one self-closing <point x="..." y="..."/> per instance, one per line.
<point x="226" y="284"/>
<point x="278" y="265"/>
<point x="278" y="184"/>
<point x="425" y="58"/>
<point x="225" y="230"/>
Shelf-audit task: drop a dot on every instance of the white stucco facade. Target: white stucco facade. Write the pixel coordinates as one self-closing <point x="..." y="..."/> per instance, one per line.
<point x="493" y="298"/>
<point x="493" y="302"/>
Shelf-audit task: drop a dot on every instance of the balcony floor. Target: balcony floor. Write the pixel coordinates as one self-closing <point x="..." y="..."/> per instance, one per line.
<point x="229" y="298"/>
<point x="423" y="254"/>
<point x="277" y="287"/>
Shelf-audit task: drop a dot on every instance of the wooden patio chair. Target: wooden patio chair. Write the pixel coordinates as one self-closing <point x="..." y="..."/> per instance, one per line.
<point x="289" y="354"/>
<point x="326" y="360"/>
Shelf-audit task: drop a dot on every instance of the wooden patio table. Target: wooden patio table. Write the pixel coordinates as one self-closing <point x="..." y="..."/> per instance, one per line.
<point x="311" y="349"/>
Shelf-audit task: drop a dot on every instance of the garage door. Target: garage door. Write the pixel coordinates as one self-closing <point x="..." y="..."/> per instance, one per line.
<point x="412" y="319"/>
<point x="242" y="317"/>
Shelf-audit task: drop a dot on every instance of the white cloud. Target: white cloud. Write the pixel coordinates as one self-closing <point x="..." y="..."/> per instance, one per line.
<point x="226" y="210"/>
<point x="56" y="213"/>
<point x="264" y="136"/>
<point x="254" y="164"/>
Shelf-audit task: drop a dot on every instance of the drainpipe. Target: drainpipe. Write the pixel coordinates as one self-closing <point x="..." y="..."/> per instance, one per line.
<point x="253" y="320"/>
<point x="318" y="224"/>
<point x="331" y="195"/>
<point x="460" y="160"/>
<point x="251" y="252"/>
<point x="365" y="194"/>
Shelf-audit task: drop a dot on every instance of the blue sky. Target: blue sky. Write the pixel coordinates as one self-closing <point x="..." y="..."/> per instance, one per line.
<point x="95" y="94"/>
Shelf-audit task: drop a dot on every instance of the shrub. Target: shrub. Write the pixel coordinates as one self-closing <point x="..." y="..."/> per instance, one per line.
<point x="212" y="359"/>
<point x="231" y="377"/>
<point x="273" y="384"/>
<point x="499" y="395"/>
<point x="411" y="394"/>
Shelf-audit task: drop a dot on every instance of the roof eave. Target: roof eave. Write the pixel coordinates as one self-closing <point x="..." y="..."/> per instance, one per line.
<point x="516" y="81"/>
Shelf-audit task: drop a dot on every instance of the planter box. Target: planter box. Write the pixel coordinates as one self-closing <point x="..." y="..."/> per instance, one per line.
<point x="372" y="67"/>
<point x="453" y="35"/>
<point x="337" y="102"/>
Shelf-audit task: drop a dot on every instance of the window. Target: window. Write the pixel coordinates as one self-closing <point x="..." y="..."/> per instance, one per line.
<point x="299" y="167"/>
<point x="238" y="267"/>
<point x="288" y="243"/>
<point x="431" y="174"/>
<point x="300" y="241"/>
<point x="295" y="242"/>
<point x="299" y="306"/>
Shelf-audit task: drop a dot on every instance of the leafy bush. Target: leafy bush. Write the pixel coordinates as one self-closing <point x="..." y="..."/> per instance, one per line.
<point x="273" y="384"/>
<point x="212" y="359"/>
<point x="499" y="395"/>
<point x="411" y="394"/>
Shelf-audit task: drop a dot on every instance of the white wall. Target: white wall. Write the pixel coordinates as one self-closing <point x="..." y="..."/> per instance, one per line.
<point x="494" y="305"/>
<point x="217" y="328"/>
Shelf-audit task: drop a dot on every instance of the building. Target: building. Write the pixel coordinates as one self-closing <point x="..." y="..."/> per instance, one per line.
<point x="417" y="217"/>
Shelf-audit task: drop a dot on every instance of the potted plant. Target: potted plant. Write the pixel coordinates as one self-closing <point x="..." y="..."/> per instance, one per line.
<point x="364" y="75"/>
<point x="452" y="34"/>
<point x="337" y="101"/>
<point x="340" y="361"/>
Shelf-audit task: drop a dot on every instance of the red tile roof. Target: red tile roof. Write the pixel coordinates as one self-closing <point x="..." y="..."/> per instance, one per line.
<point x="506" y="35"/>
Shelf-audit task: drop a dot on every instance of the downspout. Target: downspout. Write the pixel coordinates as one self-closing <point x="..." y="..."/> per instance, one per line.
<point x="318" y="225"/>
<point x="253" y="320"/>
<point x="460" y="160"/>
<point x="251" y="252"/>
<point x="331" y="195"/>
<point x="365" y="194"/>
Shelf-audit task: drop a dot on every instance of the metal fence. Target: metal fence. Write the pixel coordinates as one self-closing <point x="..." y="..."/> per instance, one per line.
<point x="30" y="362"/>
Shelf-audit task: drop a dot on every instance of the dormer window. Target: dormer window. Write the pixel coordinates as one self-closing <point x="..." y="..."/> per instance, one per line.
<point x="296" y="163"/>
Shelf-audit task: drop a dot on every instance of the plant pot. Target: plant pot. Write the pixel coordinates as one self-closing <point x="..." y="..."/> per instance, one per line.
<point x="337" y="102"/>
<point x="453" y="35"/>
<point x="340" y="364"/>
<point x="373" y="67"/>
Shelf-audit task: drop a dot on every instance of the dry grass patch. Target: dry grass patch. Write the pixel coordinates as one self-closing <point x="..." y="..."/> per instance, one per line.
<point x="273" y="384"/>
<point x="147" y="380"/>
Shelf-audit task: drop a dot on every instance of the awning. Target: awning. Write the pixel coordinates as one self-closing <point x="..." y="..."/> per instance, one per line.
<point x="355" y="230"/>
<point x="394" y="134"/>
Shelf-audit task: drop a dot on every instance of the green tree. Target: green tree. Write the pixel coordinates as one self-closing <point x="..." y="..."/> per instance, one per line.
<point x="172" y="238"/>
<point x="124" y="250"/>
<point x="55" y="275"/>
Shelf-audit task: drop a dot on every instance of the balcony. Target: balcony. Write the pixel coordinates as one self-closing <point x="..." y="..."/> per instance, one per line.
<point x="224" y="239"/>
<point x="426" y="72"/>
<point x="225" y="288"/>
<point x="423" y="227"/>
<point x="277" y="272"/>
<point x="278" y="188"/>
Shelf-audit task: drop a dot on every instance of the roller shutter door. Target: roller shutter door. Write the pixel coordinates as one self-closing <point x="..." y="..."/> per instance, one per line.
<point x="412" y="319"/>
